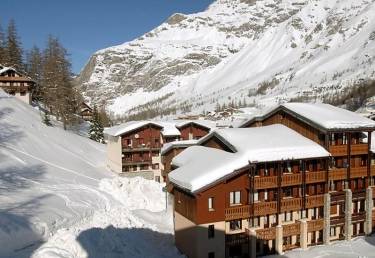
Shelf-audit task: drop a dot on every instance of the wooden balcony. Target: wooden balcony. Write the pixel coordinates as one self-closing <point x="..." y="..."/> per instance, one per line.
<point x="291" y="179"/>
<point x="291" y="204"/>
<point x="315" y="225"/>
<point x="337" y="197"/>
<point x="357" y="149"/>
<point x="338" y="150"/>
<point x="292" y="229"/>
<point x="358" y="172"/>
<point x="373" y="170"/>
<point x="337" y="174"/>
<point x="359" y="195"/>
<point x="338" y="220"/>
<point x="237" y="212"/>
<point x="265" y="182"/>
<point x="315" y="177"/>
<point x="358" y="217"/>
<point x="136" y="161"/>
<point x="237" y="239"/>
<point x="314" y="201"/>
<point x="266" y="233"/>
<point x="265" y="208"/>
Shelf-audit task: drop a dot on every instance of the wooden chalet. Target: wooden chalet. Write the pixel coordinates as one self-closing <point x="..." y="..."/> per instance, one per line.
<point x="134" y="148"/>
<point x="16" y="84"/>
<point x="252" y="204"/>
<point x="86" y="112"/>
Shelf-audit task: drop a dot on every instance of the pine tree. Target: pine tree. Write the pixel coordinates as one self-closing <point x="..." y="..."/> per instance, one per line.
<point x="96" y="129"/>
<point x="2" y="46"/>
<point x="13" y="54"/>
<point x="34" y="66"/>
<point x="46" y="119"/>
<point x="56" y="84"/>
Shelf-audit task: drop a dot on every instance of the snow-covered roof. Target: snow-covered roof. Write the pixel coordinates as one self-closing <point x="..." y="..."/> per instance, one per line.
<point x="200" y="166"/>
<point x="177" y="144"/>
<point x="5" y="69"/>
<point x="169" y="129"/>
<point x="321" y="115"/>
<point x="205" y="123"/>
<point x="127" y="127"/>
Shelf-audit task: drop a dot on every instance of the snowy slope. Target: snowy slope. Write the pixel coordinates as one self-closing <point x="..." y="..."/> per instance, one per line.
<point x="261" y="53"/>
<point x="54" y="187"/>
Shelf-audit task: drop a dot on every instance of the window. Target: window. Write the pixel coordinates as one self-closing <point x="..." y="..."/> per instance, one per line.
<point x="332" y="232"/>
<point x="211" y="204"/>
<point x="255" y="221"/>
<point x="155" y="166"/>
<point x="235" y="198"/>
<point x="288" y="216"/>
<point x="157" y="179"/>
<point x="211" y="231"/>
<point x="288" y="192"/>
<point x="265" y="195"/>
<point x="211" y="255"/>
<point x="256" y="196"/>
<point x="235" y="225"/>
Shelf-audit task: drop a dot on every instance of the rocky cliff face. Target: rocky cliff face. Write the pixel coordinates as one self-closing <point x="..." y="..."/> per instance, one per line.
<point x="257" y="53"/>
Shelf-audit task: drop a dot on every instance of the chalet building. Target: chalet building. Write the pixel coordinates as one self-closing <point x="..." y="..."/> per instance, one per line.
<point x="230" y="197"/>
<point x="249" y="194"/>
<point x="16" y="84"/>
<point x="86" y="112"/>
<point x="133" y="148"/>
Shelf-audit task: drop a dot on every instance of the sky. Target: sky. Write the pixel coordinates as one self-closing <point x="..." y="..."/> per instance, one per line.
<point x="85" y="26"/>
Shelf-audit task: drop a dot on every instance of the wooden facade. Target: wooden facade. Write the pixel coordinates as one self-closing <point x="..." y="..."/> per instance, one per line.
<point x="192" y="131"/>
<point x="285" y="193"/>
<point x="16" y="84"/>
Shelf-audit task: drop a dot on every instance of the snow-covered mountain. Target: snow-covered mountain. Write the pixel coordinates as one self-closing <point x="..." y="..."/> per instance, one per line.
<point x="261" y="53"/>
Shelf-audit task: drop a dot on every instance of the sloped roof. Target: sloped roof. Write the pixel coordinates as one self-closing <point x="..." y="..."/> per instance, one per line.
<point x="128" y="127"/>
<point x="200" y="166"/>
<point x="322" y="116"/>
<point x="177" y="144"/>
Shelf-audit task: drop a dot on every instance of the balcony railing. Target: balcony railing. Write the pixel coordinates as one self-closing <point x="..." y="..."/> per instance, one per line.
<point x="314" y="201"/>
<point x="237" y="239"/>
<point x="291" y="179"/>
<point x="237" y="212"/>
<point x="357" y="149"/>
<point x="357" y="217"/>
<point x="338" y="150"/>
<point x="358" y="172"/>
<point x="315" y="177"/>
<point x="337" y="174"/>
<point x="291" y="204"/>
<point x="265" y="208"/>
<point x="315" y="225"/>
<point x="265" y="182"/>
<point x="292" y="229"/>
<point x="266" y="233"/>
<point x="338" y="220"/>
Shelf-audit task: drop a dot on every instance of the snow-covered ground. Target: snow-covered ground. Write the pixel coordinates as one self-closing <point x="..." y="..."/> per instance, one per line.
<point x="51" y="179"/>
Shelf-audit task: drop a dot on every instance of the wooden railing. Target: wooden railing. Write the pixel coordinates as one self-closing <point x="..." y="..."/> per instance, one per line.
<point x="356" y="217"/>
<point x="338" y="220"/>
<point x="359" y="195"/>
<point x="315" y="177"/>
<point x="291" y="179"/>
<point x="265" y="208"/>
<point x="338" y="150"/>
<point x="237" y="212"/>
<point x="337" y="197"/>
<point x="358" y="172"/>
<point x="265" y="182"/>
<point x="357" y="149"/>
<point x="314" y="201"/>
<point x="266" y="233"/>
<point x="337" y="174"/>
<point x="315" y="225"/>
<point x="291" y="204"/>
<point x="292" y="229"/>
<point x="373" y="170"/>
<point x="236" y="239"/>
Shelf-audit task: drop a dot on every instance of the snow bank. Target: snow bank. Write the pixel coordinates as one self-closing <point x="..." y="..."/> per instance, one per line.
<point x="130" y="229"/>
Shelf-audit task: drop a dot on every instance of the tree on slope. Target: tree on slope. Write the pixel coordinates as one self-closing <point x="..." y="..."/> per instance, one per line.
<point x="2" y="46"/>
<point x="13" y="53"/>
<point x="96" y="129"/>
<point x="34" y="67"/>
<point x="56" y="83"/>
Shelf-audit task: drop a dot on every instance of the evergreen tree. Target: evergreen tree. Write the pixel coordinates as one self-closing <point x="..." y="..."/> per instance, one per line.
<point x="96" y="129"/>
<point x="46" y="119"/>
<point x="2" y="46"/>
<point x="13" y="54"/>
<point x="34" y="66"/>
<point x="56" y="84"/>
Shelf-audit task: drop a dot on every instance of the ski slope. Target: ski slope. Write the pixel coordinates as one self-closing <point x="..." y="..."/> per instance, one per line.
<point x="51" y="179"/>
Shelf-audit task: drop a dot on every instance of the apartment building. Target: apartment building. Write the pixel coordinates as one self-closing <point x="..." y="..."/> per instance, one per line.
<point x="297" y="176"/>
<point x="133" y="148"/>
